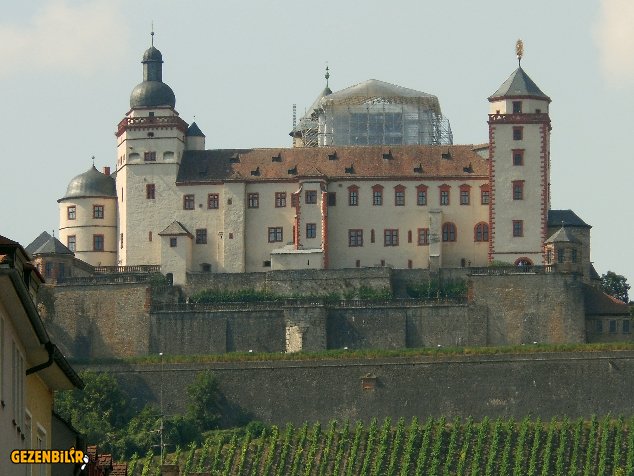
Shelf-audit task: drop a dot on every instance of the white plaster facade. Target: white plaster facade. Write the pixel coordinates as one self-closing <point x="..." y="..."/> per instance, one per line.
<point x="247" y="210"/>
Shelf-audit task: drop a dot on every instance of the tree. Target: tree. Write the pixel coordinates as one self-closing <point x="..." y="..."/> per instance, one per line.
<point x="615" y="285"/>
<point x="204" y="401"/>
<point x="98" y="411"/>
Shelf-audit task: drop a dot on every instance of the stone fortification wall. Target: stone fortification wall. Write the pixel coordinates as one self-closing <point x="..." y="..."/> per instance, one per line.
<point x="121" y="320"/>
<point x="526" y="308"/>
<point x="543" y="384"/>
<point x="304" y="282"/>
<point x="98" y="321"/>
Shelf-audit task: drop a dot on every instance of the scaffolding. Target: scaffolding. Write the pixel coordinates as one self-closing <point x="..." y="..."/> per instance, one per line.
<point x="374" y="113"/>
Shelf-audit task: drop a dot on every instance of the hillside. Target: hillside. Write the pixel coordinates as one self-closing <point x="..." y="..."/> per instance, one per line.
<point x="434" y="447"/>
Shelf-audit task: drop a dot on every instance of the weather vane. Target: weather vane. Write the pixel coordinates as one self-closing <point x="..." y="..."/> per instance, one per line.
<point x="152" y="33"/>
<point x="519" y="51"/>
<point x="327" y="75"/>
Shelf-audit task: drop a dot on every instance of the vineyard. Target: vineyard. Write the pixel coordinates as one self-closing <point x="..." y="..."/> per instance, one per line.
<point x="434" y="447"/>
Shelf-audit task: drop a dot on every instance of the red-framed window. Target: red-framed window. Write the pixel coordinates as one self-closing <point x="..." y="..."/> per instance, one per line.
<point x="518" y="132"/>
<point x="311" y="230"/>
<point x="399" y="196"/>
<point x="518" y="156"/>
<point x="390" y="237"/>
<point x="377" y="195"/>
<point x="465" y="194"/>
<point x="485" y="194"/>
<point x="518" y="190"/>
<point x="213" y="201"/>
<point x="311" y="197"/>
<point x="97" y="243"/>
<point x="481" y="232"/>
<point x="444" y="194"/>
<point x="276" y="234"/>
<point x="518" y="228"/>
<point x="188" y="202"/>
<point x="421" y="195"/>
<point x="71" y="243"/>
<point x="353" y="195"/>
<point x="253" y="200"/>
<point x="97" y="212"/>
<point x="449" y="232"/>
<point x="423" y="236"/>
<point x="71" y="212"/>
<point x="280" y="199"/>
<point x="355" y="238"/>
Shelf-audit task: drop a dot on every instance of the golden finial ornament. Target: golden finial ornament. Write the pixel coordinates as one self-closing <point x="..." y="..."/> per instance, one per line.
<point x="519" y="51"/>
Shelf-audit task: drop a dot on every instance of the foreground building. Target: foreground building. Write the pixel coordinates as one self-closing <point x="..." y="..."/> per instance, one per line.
<point x="373" y="180"/>
<point x="31" y="365"/>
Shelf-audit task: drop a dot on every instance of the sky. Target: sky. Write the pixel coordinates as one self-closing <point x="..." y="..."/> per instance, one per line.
<point x="67" y="68"/>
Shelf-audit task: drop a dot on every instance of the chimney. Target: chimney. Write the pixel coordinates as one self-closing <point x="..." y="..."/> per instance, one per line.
<point x="106" y="170"/>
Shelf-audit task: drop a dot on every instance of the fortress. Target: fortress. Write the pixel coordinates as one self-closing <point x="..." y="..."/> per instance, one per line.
<point x="373" y="194"/>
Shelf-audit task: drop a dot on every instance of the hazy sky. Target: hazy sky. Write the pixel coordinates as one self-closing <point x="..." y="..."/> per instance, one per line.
<point x="67" y="68"/>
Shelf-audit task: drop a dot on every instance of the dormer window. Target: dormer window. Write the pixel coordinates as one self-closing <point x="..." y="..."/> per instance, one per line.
<point x="517" y="107"/>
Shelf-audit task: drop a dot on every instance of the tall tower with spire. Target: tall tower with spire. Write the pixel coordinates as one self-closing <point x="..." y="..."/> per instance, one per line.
<point x="151" y="139"/>
<point x="519" y="147"/>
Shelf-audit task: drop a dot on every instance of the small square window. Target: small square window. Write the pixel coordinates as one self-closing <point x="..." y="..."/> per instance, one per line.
<point x="311" y="230"/>
<point x="149" y="156"/>
<point x="266" y="264"/>
<point x="253" y="200"/>
<point x="188" y="202"/>
<point x="518" y="133"/>
<point x="173" y="242"/>
<point x="97" y="212"/>
<point x="517" y="107"/>
<point x="201" y="236"/>
<point x="71" y="212"/>
<point x="311" y="197"/>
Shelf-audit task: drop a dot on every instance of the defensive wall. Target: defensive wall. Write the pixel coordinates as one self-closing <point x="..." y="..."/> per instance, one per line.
<point x="575" y="384"/>
<point x="128" y="316"/>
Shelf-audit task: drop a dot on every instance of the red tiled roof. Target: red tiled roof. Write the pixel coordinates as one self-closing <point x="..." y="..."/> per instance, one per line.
<point x="415" y="162"/>
<point x="599" y="303"/>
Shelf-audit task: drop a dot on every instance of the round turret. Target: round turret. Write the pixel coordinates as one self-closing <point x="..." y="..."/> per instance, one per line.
<point x="88" y="217"/>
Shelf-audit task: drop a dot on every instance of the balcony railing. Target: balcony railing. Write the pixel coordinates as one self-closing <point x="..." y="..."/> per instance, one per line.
<point x="105" y="279"/>
<point x="508" y="270"/>
<point x="139" y="269"/>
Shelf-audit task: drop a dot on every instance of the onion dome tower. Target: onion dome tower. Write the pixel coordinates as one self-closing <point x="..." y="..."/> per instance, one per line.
<point x="88" y="217"/>
<point x="151" y="139"/>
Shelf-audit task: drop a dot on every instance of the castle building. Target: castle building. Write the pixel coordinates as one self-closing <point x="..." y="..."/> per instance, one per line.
<point x="373" y="179"/>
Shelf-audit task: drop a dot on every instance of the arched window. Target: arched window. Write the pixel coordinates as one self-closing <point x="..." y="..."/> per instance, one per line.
<point x="448" y="232"/>
<point x="523" y="262"/>
<point x="481" y="232"/>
